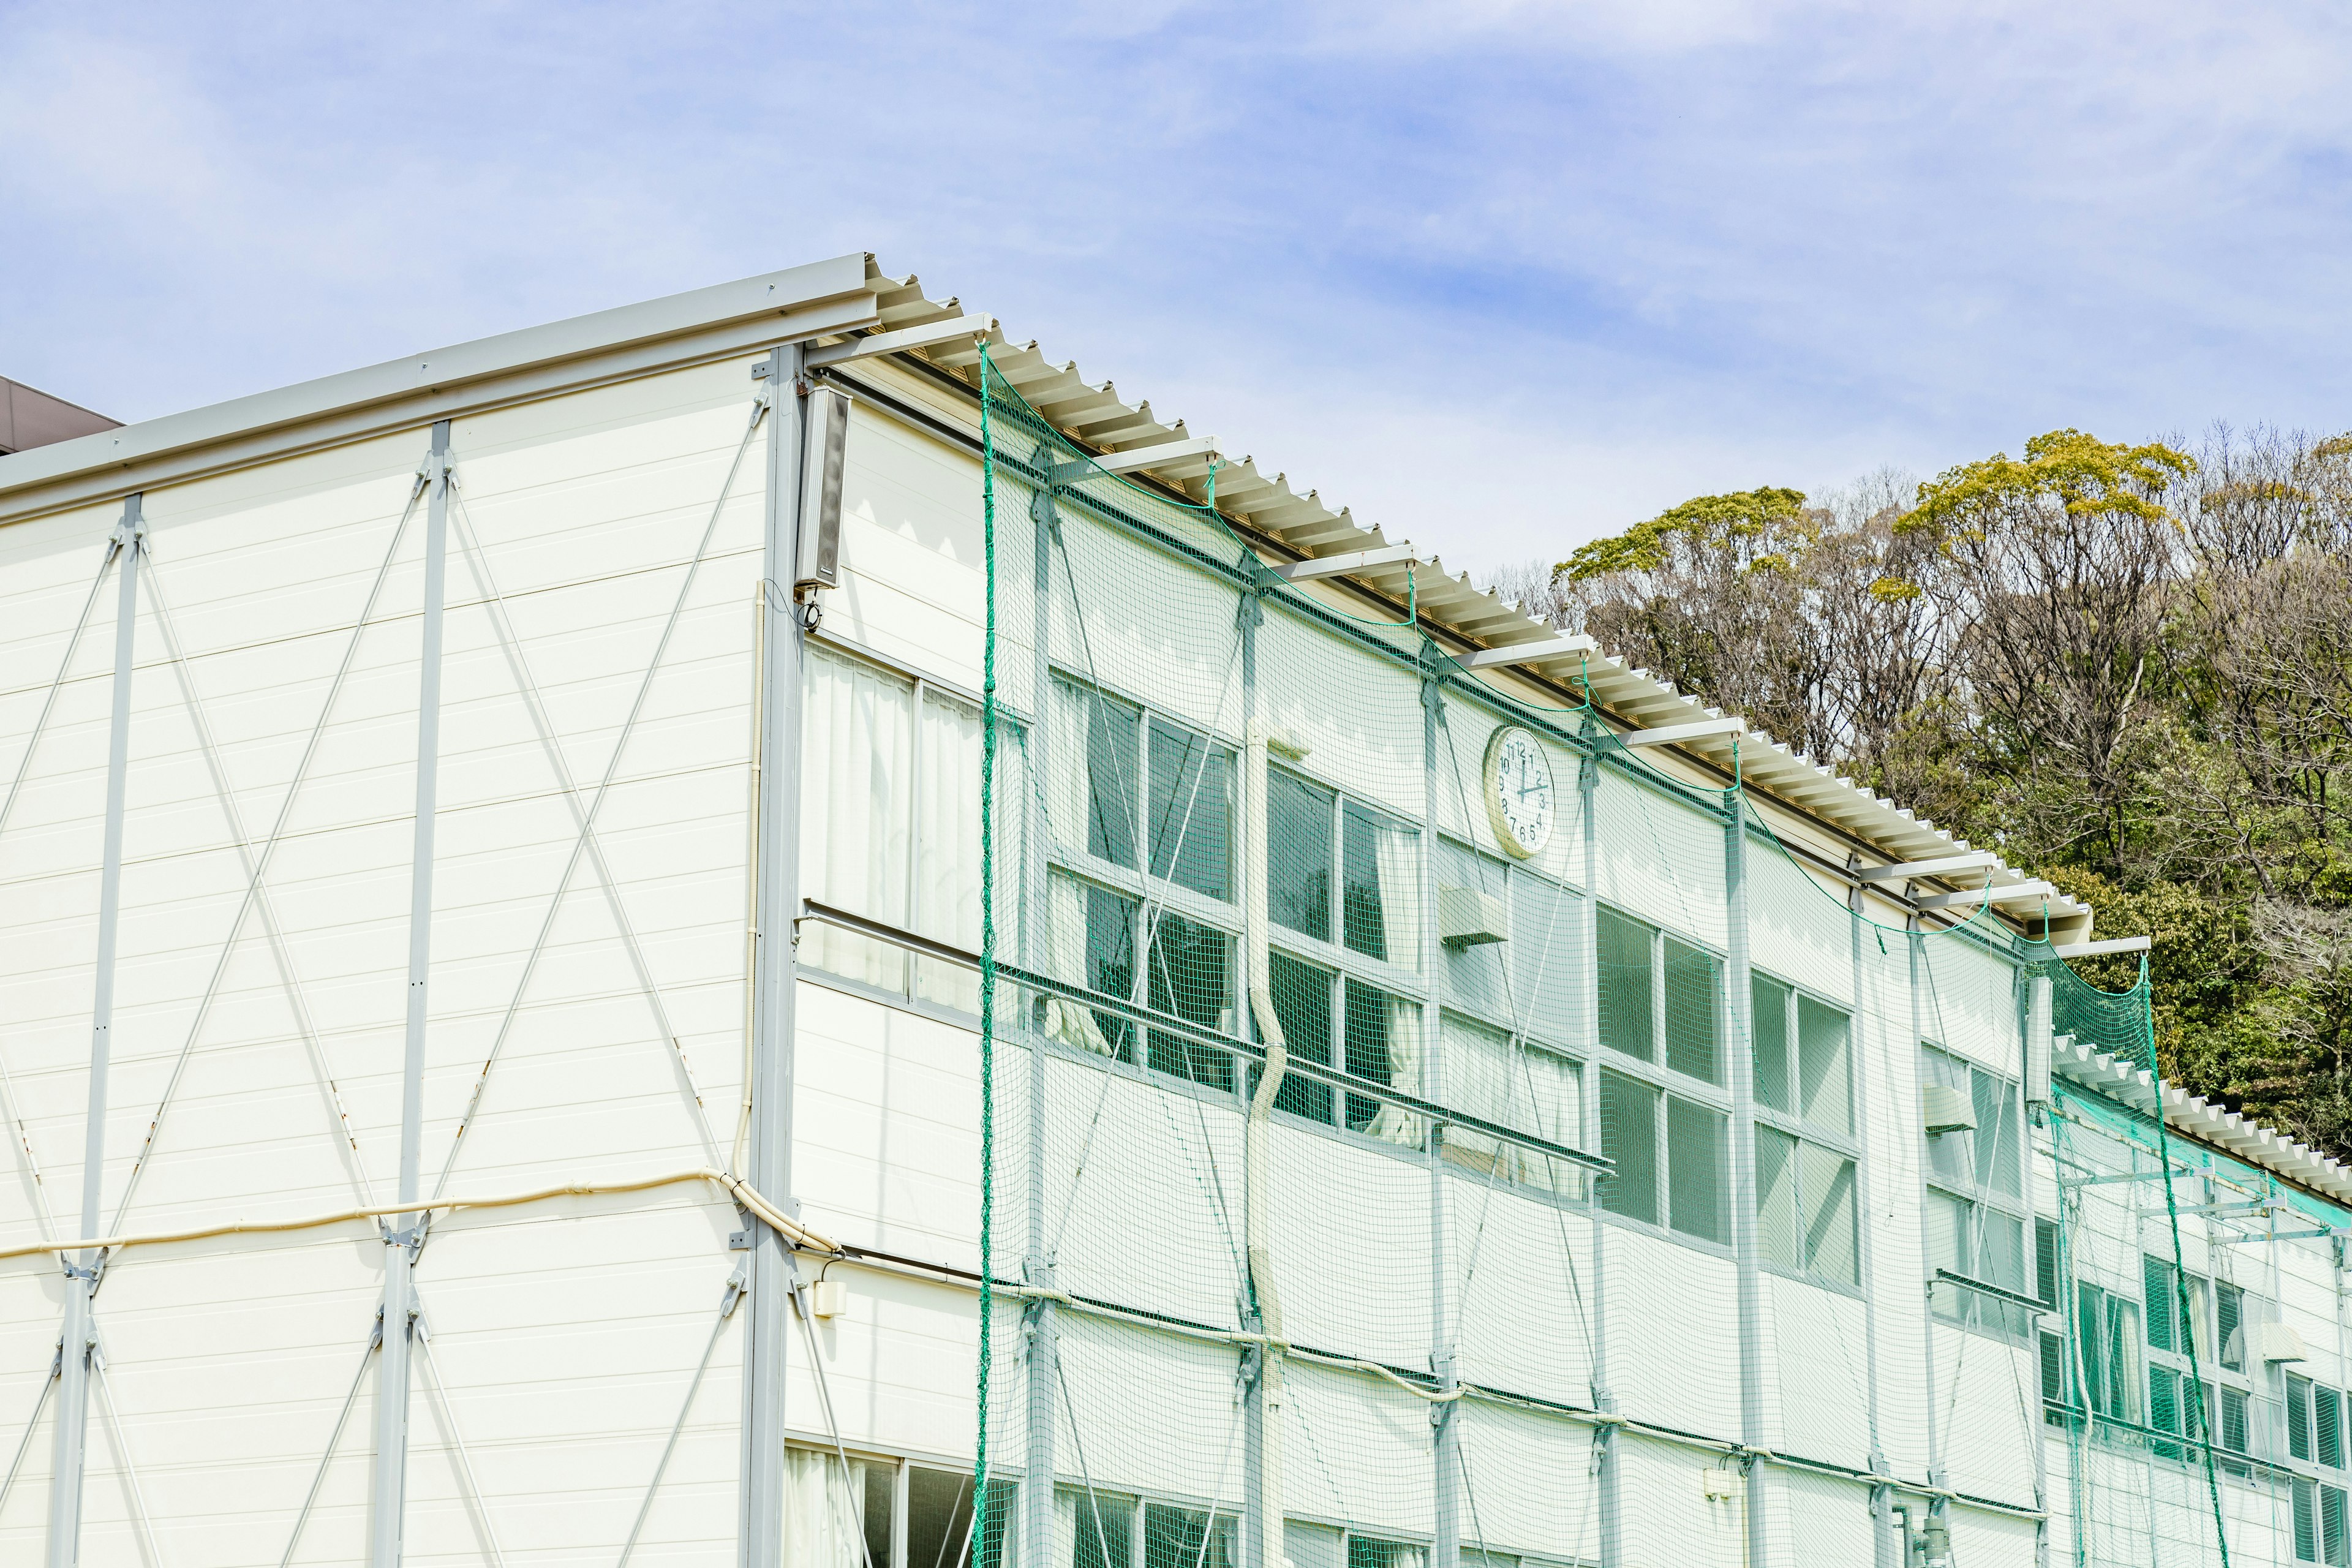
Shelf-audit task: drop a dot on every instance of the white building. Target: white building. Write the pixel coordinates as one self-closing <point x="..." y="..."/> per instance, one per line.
<point x="1433" y="1115"/>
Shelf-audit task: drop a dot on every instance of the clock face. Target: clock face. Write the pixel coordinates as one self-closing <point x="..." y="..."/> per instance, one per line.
<point x="1521" y="801"/>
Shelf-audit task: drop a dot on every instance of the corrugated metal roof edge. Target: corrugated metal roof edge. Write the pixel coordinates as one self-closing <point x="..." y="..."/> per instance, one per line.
<point x="2198" y="1117"/>
<point x="1095" y="415"/>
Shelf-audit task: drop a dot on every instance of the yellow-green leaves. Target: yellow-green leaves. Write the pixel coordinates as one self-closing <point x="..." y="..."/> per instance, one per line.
<point x="2084" y="475"/>
<point x="1741" y="517"/>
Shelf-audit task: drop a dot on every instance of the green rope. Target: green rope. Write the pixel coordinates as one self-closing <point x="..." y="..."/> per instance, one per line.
<point x="980" y="1521"/>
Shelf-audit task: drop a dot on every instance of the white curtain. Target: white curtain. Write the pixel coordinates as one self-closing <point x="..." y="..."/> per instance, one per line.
<point x="1397" y="856"/>
<point x="1064" y="783"/>
<point x="947" y="848"/>
<point x="857" y="748"/>
<point x="1521" y="1087"/>
<point x="824" y="1524"/>
<point x="1388" y="1123"/>
<point x="1065" y="936"/>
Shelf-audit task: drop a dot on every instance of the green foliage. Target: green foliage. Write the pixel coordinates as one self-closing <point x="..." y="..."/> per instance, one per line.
<point x="1701" y="522"/>
<point x="2081" y="475"/>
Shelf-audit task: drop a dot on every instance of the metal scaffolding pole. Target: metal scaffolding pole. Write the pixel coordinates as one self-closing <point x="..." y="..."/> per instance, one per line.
<point x="759" y="1533"/>
<point x="1043" y="1348"/>
<point x="1445" y="1544"/>
<point x="80" y="1334"/>
<point x="1882" y="1551"/>
<point x="1739" y="1009"/>
<point x="1605" y="1459"/>
<point x="388" y="1481"/>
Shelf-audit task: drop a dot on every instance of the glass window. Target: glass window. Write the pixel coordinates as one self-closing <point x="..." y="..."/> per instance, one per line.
<point x="2233" y="1420"/>
<point x="1192" y="977"/>
<point x="2108" y="1327"/>
<point x="2328" y="1427"/>
<point x="2163" y="1308"/>
<point x="1106" y="728"/>
<point x="1102" y="1529"/>
<point x="1302" y="1002"/>
<point x="2228" y="1314"/>
<point x="1628" y="997"/>
<point x="2045" y="1263"/>
<point x="939" y="1521"/>
<point x="1191" y="811"/>
<point x="2334" y="1547"/>
<point x="2054" y="1390"/>
<point x="2298" y="1416"/>
<point x="1363" y="1552"/>
<point x="2306" y="1520"/>
<point x="1187" y="1538"/>
<point x="1513" y="1084"/>
<point x="1824" y="1066"/>
<point x="1805" y="1207"/>
<point x="1298" y="853"/>
<point x="1694" y="1170"/>
<point x="1628" y="1135"/>
<point x="1769" y="1001"/>
<point x="1691" y="988"/>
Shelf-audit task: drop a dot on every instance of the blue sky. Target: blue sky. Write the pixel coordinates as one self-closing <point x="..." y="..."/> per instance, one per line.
<point x="1500" y="276"/>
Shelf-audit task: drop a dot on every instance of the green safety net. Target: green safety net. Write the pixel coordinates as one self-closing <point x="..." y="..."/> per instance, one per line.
<point x="1366" y="1177"/>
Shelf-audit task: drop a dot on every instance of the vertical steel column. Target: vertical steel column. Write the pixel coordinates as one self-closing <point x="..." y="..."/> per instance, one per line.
<point x="1739" y="1008"/>
<point x="1882" y="1493"/>
<point x="79" y="1333"/>
<point x="1043" y="1358"/>
<point x="1605" y="1399"/>
<point x="388" y="1489"/>
<point x="1913" y="954"/>
<point x="760" y="1531"/>
<point x="1445" y="1544"/>
<point x="1262" y="1368"/>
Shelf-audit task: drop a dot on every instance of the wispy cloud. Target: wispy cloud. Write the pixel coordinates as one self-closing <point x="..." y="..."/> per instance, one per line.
<point x="1502" y="276"/>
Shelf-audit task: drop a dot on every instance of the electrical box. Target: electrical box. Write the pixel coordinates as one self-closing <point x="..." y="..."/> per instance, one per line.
<point x="828" y="1298"/>
<point x="1720" y="1485"/>
<point x="1947" y="1109"/>
<point x="1468" y="917"/>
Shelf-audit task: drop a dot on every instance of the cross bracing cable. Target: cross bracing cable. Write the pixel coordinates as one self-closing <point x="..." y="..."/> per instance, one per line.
<point x="122" y="1454"/>
<point x="262" y="909"/>
<point x="730" y="1298"/>
<point x="268" y="848"/>
<point x="597" y="804"/>
<point x="494" y="602"/>
<point x="25" y="1444"/>
<point x="457" y="1439"/>
<point x="334" y="1438"/>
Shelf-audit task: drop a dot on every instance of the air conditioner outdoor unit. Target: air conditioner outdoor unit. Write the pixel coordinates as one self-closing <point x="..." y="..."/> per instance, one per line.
<point x="1947" y="1109"/>
<point x="1469" y="916"/>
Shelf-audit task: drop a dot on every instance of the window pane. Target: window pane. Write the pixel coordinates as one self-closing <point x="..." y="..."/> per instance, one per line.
<point x="938" y="1513"/>
<point x="1950" y="1159"/>
<point x="2054" y="1368"/>
<point x="1544" y="953"/>
<point x="2332" y="1546"/>
<point x="2327" y="1421"/>
<point x="1628" y="1135"/>
<point x="1191" y="811"/>
<point x="2121" y="1351"/>
<point x="1365" y="1552"/>
<point x="2164" y="1405"/>
<point x="2045" y="1263"/>
<point x="1691" y="1012"/>
<point x="1998" y="1144"/>
<point x="1778" y="1238"/>
<point x="1302" y="1004"/>
<point x="1526" y="1088"/>
<point x="2233" y="1420"/>
<point x="1769" y="1004"/>
<point x="1381" y="902"/>
<point x="857" y="751"/>
<point x="1298" y="854"/>
<point x="1183" y="1537"/>
<point x="2001" y="1251"/>
<point x="1826" y="1183"/>
<point x="2163" y="1305"/>
<point x="2298" y="1416"/>
<point x="1625" y="985"/>
<point x="1825" y="1069"/>
<point x="2306" y="1521"/>
<point x="1101" y="1527"/>
<point x="2228" y="1311"/>
<point x="1382" y="1030"/>
<point x="1948" y="1245"/>
<point x="1191" y="976"/>
<point x="1108" y="730"/>
<point x="1694" y="1170"/>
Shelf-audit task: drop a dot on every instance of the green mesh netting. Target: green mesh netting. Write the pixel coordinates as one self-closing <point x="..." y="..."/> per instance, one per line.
<point x="1375" y="1178"/>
